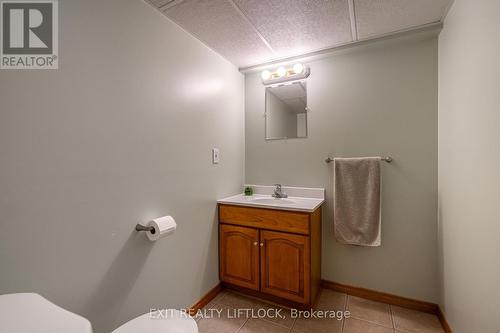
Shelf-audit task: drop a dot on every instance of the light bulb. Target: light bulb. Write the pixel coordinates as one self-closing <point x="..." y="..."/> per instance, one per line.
<point x="298" y="68"/>
<point x="265" y="75"/>
<point x="281" y="71"/>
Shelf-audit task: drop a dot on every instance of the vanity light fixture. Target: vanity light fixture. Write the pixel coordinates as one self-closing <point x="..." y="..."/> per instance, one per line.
<point x="298" y="68"/>
<point x="281" y="71"/>
<point x="265" y="75"/>
<point x="282" y="74"/>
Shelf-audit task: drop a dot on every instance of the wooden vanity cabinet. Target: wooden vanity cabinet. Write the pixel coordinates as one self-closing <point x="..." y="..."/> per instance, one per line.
<point x="274" y="254"/>
<point x="284" y="265"/>
<point x="239" y="255"/>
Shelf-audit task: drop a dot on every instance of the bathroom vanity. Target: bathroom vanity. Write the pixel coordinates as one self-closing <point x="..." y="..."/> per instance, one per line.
<point x="271" y="248"/>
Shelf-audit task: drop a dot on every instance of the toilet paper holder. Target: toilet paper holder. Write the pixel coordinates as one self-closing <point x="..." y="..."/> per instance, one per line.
<point x="157" y="228"/>
<point x="140" y="227"/>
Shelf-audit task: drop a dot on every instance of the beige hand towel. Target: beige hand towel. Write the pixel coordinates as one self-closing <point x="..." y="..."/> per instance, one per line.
<point x="356" y="200"/>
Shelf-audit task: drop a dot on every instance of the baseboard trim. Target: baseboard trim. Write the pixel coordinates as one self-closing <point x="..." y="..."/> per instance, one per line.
<point x="373" y="295"/>
<point x="382" y="297"/>
<point x="379" y="296"/>
<point x="205" y="299"/>
<point x="444" y="322"/>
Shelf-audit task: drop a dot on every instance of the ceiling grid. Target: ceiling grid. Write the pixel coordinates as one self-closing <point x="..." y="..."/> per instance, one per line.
<point x="352" y="17"/>
<point x="255" y="32"/>
<point x="240" y="11"/>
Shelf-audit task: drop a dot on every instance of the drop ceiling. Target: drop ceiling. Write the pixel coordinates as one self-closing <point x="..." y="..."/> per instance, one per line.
<point x="253" y="32"/>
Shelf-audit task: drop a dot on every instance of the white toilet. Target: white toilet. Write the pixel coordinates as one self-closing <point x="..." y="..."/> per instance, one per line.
<point x="29" y="313"/>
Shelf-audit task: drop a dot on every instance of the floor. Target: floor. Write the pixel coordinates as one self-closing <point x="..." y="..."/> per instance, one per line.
<point x="365" y="317"/>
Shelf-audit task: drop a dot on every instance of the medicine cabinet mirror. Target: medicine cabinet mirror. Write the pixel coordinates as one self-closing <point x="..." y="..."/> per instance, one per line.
<point x="286" y="111"/>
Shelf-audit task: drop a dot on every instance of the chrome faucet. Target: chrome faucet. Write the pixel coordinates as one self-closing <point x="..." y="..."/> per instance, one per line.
<point x="278" y="193"/>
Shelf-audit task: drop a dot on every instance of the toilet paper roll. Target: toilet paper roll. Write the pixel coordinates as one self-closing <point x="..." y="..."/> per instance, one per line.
<point x="162" y="226"/>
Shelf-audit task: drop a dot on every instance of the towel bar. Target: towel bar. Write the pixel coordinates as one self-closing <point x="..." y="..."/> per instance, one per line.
<point x="387" y="159"/>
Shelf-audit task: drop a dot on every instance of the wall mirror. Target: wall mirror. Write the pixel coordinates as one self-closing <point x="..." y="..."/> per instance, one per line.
<point x="286" y="111"/>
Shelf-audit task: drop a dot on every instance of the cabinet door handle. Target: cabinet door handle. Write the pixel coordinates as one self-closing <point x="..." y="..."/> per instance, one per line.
<point x="261" y="244"/>
<point x="255" y="243"/>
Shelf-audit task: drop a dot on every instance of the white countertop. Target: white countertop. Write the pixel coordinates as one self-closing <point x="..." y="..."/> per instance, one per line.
<point x="295" y="203"/>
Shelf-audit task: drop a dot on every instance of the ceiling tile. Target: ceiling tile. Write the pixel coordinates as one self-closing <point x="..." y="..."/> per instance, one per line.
<point x="251" y="32"/>
<point x="378" y="17"/>
<point x="298" y="26"/>
<point x="219" y="25"/>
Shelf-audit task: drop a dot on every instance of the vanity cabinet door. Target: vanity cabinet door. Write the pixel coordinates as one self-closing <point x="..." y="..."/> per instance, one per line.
<point x="239" y="256"/>
<point x="285" y="265"/>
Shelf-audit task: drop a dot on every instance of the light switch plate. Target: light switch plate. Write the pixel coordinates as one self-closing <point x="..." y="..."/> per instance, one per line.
<point x="215" y="155"/>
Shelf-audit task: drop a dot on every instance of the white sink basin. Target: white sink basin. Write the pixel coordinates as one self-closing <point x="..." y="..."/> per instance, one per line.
<point x="273" y="201"/>
<point x="263" y="199"/>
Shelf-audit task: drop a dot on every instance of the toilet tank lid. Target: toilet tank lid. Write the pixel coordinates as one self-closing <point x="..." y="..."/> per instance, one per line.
<point x="30" y="312"/>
